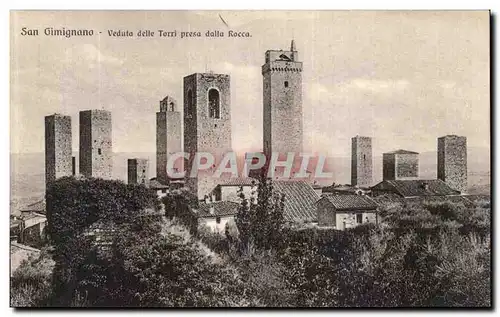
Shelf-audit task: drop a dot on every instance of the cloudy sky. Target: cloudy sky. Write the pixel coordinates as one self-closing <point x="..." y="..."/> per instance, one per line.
<point x="404" y="78"/>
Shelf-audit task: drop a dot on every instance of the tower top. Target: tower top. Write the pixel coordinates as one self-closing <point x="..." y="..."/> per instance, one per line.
<point x="292" y="46"/>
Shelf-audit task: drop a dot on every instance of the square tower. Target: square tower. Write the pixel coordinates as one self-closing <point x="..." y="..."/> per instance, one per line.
<point x="96" y="150"/>
<point x="207" y="124"/>
<point x="168" y="137"/>
<point x="138" y="171"/>
<point x="282" y="92"/>
<point x="361" y="161"/>
<point x="400" y="165"/>
<point x="452" y="161"/>
<point x="58" y="162"/>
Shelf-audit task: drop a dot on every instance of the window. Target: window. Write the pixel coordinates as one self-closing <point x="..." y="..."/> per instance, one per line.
<point x="286" y="84"/>
<point x="217" y="220"/>
<point x="364" y="157"/>
<point x="171" y="106"/>
<point x="99" y="151"/>
<point x="359" y="218"/>
<point x="213" y="103"/>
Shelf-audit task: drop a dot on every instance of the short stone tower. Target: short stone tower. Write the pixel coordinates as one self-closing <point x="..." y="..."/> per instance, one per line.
<point x="96" y="149"/>
<point x="207" y="124"/>
<point x="452" y="161"/>
<point x="168" y="136"/>
<point x="282" y="92"/>
<point x="361" y="161"/>
<point x="400" y="165"/>
<point x="58" y="162"/>
<point x="138" y="171"/>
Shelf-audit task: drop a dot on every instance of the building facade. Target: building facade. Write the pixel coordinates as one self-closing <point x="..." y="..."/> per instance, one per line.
<point x="346" y="211"/>
<point x="96" y="147"/>
<point x="282" y="97"/>
<point x="452" y="161"/>
<point x="168" y="137"/>
<point x="207" y="125"/>
<point x="400" y="165"/>
<point x="361" y="161"/>
<point x="58" y="162"/>
<point x="138" y="171"/>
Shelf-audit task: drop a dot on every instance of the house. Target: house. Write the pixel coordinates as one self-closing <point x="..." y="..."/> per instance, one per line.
<point x="228" y="189"/>
<point x="300" y="200"/>
<point x="215" y="215"/>
<point x="38" y="207"/>
<point x="346" y="211"/>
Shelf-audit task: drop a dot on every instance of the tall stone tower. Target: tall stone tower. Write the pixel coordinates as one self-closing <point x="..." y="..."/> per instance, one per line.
<point x="361" y="161"/>
<point x="96" y="150"/>
<point x="58" y="162"/>
<point x="400" y="165"/>
<point x="138" y="171"/>
<point x="168" y="136"/>
<point x="282" y="79"/>
<point x="452" y="161"/>
<point x="207" y="124"/>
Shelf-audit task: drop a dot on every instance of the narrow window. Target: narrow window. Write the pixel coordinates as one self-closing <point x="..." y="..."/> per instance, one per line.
<point x="359" y="218"/>
<point x="171" y="106"/>
<point x="214" y="103"/>
<point x="217" y="220"/>
<point x="286" y="84"/>
<point x="144" y="171"/>
<point x="364" y="157"/>
<point x="99" y="151"/>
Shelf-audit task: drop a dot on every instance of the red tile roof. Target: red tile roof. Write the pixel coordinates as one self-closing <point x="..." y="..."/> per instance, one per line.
<point x="300" y="200"/>
<point x="401" y="152"/>
<point x="350" y="202"/>
<point x="239" y="181"/>
<point x="38" y="206"/>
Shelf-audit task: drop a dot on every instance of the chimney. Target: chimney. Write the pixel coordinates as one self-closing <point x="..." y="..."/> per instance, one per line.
<point x="211" y="210"/>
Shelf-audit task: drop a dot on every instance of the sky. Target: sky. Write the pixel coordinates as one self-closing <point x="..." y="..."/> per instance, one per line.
<point x="403" y="78"/>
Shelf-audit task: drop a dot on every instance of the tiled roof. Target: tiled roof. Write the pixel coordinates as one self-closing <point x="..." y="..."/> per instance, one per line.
<point x="351" y="202"/>
<point x="410" y="188"/>
<point x="221" y="208"/>
<point x="401" y="152"/>
<point x="441" y="199"/>
<point x="300" y="200"/>
<point x="239" y="181"/>
<point x="38" y="206"/>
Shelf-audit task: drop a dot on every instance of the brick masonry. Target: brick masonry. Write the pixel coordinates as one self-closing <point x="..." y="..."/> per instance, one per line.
<point x="361" y="161"/>
<point x="58" y="160"/>
<point x="452" y="161"/>
<point x="204" y="132"/>
<point x="168" y="136"/>
<point x="138" y="171"/>
<point x="96" y="148"/>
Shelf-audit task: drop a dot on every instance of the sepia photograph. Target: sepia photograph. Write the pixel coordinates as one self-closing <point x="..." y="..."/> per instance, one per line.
<point x="284" y="159"/>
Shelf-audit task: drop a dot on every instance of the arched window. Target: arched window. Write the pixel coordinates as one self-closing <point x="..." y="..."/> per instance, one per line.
<point x="213" y="104"/>
<point x="190" y="103"/>
<point x="172" y="107"/>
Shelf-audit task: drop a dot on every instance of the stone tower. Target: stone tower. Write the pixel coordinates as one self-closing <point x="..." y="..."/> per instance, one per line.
<point x="96" y="151"/>
<point x="361" y="161"/>
<point x="400" y="165"/>
<point x="282" y="80"/>
<point x="168" y="136"/>
<point x="58" y="162"/>
<point x="138" y="171"/>
<point x="207" y="124"/>
<point x="452" y="161"/>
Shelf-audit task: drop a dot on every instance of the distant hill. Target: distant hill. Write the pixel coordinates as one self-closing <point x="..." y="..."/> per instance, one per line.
<point x="28" y="179"/>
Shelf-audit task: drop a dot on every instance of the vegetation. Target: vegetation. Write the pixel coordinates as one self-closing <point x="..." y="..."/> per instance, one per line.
<point x="110" y="249"/>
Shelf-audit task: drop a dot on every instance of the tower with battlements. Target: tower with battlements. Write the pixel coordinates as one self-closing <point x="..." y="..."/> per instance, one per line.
<point x="361" y="161"/>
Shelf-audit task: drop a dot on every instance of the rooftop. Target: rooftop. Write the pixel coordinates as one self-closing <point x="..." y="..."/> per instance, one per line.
<point x="221" y="208"/>
<point x="300" y="200"/>
<point x="351" y="202"/>
<point x="400" y="151"/>
<point x="38" y="206"/>
<point x="412" y="188"/>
